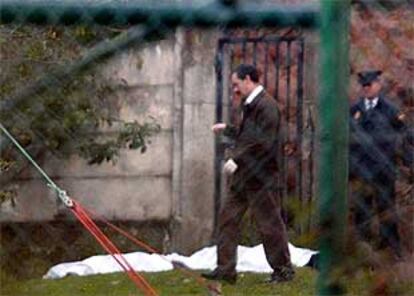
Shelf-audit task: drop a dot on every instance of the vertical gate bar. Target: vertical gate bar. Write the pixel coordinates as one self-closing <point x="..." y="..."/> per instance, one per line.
<point x="244" y="48"/>
<point x="299" y="125"/>
<point x="288" y="68"/>
<point x="280" y="156"/>
<point x="229" y="88"/>
<point x="255" y="53"/>
<point x="287" y="117"/>
<point x="277" y="61"/>
<point x="412" y="191"/>
<point x="311" y="126"/>
<point x="217" y="145"/>
<point x="333" y="136"/>
<point x="266" y="66"/>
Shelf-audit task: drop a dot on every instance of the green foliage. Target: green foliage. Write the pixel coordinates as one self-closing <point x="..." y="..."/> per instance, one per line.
<point x="132" y="135"/>
<point x="5" y="164"/>
<point x="69" y="117"/>
<point x="7" y="195"/>
<point x="84" y="34"/>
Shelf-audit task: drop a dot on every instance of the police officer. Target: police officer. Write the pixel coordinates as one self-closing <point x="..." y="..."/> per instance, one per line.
<point x="376" y="127"/>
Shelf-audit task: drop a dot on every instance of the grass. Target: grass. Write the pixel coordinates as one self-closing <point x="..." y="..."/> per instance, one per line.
<point x="178" y="283"/>
<point x="169" y="283"/>
<point x="165" y="283"/>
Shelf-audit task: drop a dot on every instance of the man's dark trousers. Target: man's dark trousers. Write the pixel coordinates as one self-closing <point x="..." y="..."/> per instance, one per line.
<point x="265" y="207"/>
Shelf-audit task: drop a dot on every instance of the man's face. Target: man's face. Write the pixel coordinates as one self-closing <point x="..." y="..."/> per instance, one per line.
<point x="240" y="87"/>
<point x="372" y="89"/>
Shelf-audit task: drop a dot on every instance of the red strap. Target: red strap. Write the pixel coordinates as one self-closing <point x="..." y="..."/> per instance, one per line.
<point x="107" y="244"/>
<point x="201" y="281"/>
<point x="124" y="233"/>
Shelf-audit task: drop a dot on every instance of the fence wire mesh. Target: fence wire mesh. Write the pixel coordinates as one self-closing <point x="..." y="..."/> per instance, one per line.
<point x="116" y="103"/>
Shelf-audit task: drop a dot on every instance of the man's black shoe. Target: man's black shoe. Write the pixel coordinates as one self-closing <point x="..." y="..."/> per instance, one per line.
<point x="216" y="275"/>
<point x="284" y="274"/>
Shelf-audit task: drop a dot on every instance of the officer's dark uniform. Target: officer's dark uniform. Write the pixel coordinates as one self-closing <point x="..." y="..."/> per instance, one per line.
<point x="373" y="147"/>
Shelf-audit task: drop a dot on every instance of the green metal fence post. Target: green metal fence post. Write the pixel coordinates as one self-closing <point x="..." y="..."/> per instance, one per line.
<point x="333" y="137"/>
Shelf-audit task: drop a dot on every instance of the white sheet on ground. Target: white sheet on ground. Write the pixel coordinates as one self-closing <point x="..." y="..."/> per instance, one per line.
<point x="251" y="259"/>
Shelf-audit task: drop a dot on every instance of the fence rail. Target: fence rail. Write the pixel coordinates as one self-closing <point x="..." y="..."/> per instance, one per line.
<point x="107" y="13"/>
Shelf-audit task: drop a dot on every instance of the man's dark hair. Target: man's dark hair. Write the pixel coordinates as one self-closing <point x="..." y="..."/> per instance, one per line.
<point x="243" y="70"/>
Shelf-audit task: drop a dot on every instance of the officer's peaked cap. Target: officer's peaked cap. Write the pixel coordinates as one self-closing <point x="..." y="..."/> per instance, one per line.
<point x="367" y="77"/>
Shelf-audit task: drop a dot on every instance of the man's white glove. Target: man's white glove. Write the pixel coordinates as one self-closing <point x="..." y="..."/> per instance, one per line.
<point x="230" y="167"/>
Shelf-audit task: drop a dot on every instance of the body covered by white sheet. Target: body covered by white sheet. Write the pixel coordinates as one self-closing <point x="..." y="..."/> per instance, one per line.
<point x="250" y="259"/>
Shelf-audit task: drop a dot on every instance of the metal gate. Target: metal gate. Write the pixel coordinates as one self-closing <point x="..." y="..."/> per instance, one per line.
<point x="280" y="60"/>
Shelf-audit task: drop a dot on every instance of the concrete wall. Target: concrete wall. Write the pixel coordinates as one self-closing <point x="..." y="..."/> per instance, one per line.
<point x="195" y="155"/>
<point x="138" y="186"/>
<point x="173" y="81"/>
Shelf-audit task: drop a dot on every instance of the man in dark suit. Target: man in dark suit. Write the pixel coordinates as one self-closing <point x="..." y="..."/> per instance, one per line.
<point x="376" y="128"/>
<point x="252" y="170"/>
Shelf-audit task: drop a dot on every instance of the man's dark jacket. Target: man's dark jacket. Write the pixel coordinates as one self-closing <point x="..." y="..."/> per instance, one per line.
<point x="255" y="150"/>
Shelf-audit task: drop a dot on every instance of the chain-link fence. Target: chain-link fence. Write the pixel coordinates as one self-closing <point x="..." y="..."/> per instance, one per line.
<point x="115" y="101"/>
